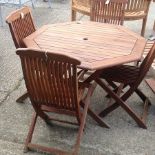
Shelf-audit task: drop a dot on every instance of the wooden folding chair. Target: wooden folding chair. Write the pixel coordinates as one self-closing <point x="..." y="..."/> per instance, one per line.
<point x="52" y="84"/>
<point x="108" y="11"/>
<point x="130" y="76"/>
<point x="21" y="25"/>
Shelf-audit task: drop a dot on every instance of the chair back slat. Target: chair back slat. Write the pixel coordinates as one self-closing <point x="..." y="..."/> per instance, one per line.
<point x="111" y="12"/>
<point x="21" y="25"/>
<point x="137" y="5"/>
<point x="51" y="79"/>
<point x="147" y="62"/>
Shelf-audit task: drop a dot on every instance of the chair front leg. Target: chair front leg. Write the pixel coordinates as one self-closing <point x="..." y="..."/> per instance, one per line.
<point x="30" y="133"/>
<point x="83" y="121"/>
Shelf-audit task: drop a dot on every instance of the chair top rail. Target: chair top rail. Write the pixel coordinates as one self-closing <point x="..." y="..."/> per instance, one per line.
<point x="15" y="14"/>
<point x="21" y="25"/>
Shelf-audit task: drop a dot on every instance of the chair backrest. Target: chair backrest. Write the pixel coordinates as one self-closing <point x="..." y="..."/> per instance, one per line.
<point x="21" y="25"/>
<point x="51" y="79"/>
<point x="137" y="5"/>
<point x="147" y="62"/>
<point x="108" y="11"/>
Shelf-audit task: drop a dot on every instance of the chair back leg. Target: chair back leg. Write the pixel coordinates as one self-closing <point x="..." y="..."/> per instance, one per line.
<point x="73" y="13"/>
<point x="143" y="26"/>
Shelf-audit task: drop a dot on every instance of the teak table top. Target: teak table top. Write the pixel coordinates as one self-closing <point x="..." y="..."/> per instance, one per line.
<point x="96" y="45"/>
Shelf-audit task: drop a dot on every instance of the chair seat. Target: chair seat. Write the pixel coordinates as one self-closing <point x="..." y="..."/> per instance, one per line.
<point x="134" y="15"/>
<point x="82" y="9"/>
<point x="123" y="74"/>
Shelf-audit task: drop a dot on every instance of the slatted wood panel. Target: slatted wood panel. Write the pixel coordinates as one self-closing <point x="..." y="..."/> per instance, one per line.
<point x="111" y="12"/>
<point x="137" y="5"/>
<point x="96" y="45"/>
<point x="137" y="9"/>
<point x="51" y="79"/>
<point x="151" y="84"/>
<point x="148" y="46"/>
<point x="21" y="25"/>
<point x="148" y="61"/>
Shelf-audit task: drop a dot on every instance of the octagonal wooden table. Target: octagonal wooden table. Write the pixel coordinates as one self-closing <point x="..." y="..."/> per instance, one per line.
<point x="96" y="45"/>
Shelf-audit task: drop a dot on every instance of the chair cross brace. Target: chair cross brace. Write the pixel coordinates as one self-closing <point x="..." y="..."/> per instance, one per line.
<point x="120" y="101"/>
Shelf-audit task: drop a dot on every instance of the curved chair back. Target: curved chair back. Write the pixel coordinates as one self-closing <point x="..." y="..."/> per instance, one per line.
<point x="108" y="11"/>
<point x="21" y="25"/>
